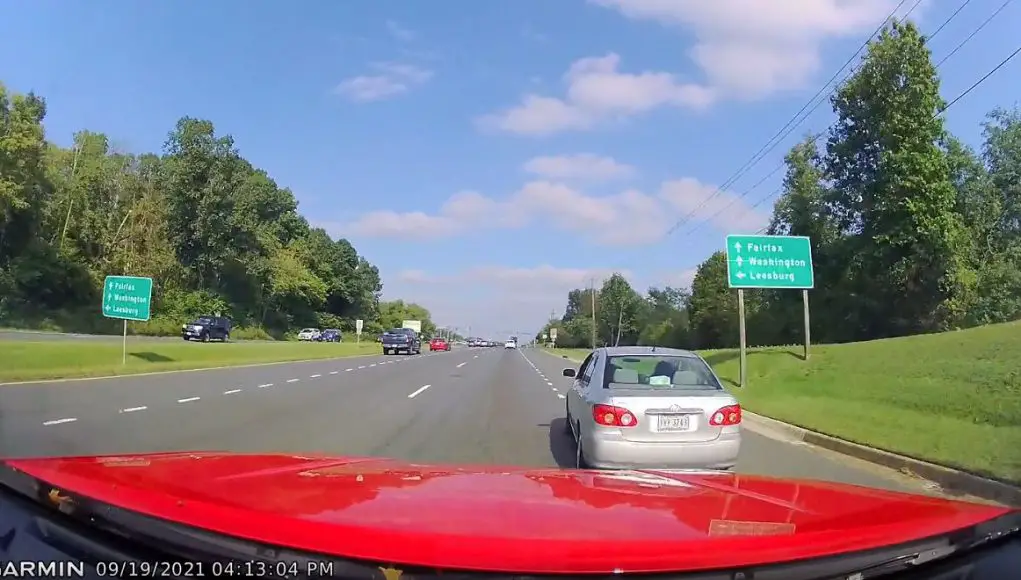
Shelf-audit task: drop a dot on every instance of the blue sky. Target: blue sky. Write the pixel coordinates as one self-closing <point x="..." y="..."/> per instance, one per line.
<point x="487" y="156"/>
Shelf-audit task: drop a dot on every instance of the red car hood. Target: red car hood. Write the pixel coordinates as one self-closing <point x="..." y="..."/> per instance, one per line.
<point x="507" y="519"/>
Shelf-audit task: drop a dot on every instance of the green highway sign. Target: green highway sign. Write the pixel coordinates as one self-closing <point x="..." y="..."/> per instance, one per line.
<point x="783" y="262"/>
<point x="127" y="298"/>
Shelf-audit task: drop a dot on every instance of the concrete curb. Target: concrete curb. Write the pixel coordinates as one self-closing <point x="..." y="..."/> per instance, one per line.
<point x="950" y="480"/>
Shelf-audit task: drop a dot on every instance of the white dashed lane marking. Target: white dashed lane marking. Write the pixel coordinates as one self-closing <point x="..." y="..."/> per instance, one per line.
<point x="61" y="421"/>
<point x="140" y="408"/>
<point x="419" y="391"/>
<point x="543" y="376"/>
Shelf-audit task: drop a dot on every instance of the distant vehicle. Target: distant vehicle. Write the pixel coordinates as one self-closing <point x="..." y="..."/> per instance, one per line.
<point x="398" y="340"/>
<point x="510" y="344"/>
<point x="206" y="328"/>
<point x="649" y="407"/>
<point x="439" y="344"/>
<point x="309" y="334"/>
<point x="330" y="335"/>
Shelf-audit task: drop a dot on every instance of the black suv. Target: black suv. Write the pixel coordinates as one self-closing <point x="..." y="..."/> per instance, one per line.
<point x="206" y="328"/>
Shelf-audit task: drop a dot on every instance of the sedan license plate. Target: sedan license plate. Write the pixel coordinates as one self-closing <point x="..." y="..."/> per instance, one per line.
<point x="674" y="422"/>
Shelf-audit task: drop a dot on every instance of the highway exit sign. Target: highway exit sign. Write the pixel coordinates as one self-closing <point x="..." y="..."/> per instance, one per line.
<point x="127" y="298"/>
<point x="781" y="262"/>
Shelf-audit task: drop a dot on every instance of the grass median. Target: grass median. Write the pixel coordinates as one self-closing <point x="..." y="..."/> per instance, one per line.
<point x="57" y="359"/>
<point x="952" y="398"/>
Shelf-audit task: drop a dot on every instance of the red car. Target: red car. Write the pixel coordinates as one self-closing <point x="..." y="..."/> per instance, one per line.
<point x="192" y="514"/>
<point x="439" y="344"/>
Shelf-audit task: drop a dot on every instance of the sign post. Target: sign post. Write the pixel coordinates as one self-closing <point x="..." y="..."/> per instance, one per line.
<point x="769" y="262"/>
<point x="359" y="324"/>
<point x="127" y="298"/>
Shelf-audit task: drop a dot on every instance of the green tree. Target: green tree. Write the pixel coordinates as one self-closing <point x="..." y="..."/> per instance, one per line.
<point x="618" y="310"/>
<point x="892" y="195"/>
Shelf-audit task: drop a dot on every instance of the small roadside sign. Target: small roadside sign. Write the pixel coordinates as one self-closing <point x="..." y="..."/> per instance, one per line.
<point x="553" y="334"/>
<point x="127" y="298"/>
<point x="780" y="262"/>
<point x="359" y="325"/>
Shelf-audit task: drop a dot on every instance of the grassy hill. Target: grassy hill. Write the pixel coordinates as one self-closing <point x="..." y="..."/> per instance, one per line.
<point x="952" y="398"/>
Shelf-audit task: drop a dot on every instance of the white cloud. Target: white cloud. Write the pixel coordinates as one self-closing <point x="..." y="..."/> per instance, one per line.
<point x="630" y="217"/>
<point x="745" y="49"/>
<point x="584" y="166"/>
<point x="597" y="91"/>
<point x="391" y="79"/>
<point x="400" y="32"/>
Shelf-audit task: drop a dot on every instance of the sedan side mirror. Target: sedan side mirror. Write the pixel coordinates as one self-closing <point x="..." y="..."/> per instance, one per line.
<point x="569" y="373"/>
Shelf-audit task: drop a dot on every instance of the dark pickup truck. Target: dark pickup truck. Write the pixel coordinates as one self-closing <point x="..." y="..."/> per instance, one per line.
<point x="398" y="340"/>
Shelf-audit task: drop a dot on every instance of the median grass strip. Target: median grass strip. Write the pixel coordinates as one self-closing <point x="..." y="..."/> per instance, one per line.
<point x="952" y="398"/>
<point x="56" y="359"/>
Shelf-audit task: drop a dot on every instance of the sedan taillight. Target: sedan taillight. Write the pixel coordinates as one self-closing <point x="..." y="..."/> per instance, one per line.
<point x="610" y="416"/>
<point x="726" y="417"/>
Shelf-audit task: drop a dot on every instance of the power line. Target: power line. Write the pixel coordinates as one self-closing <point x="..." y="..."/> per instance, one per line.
<point x="791" y="124"/>
<point x="818" y="135"/>
<point x="1002" y="64"/>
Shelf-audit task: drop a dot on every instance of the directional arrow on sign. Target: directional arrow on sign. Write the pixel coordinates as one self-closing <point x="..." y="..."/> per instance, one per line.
<point x="737" y="246"/>
<point x="739" y="260"/>
<point x="740" y="275"/>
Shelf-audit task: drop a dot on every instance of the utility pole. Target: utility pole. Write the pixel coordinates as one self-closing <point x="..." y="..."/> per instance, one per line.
<point x="592" y="294"/>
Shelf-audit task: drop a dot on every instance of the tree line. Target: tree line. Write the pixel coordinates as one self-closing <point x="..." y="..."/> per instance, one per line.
<point x="217" y="235"/>
<point x="912" y="231"/>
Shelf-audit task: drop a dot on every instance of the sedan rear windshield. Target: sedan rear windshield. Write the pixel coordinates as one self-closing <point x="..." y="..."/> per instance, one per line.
<point x="659" y="372"/>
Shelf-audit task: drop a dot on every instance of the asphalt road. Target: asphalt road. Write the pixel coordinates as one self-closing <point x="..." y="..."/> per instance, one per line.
<point x="487" y="406"/>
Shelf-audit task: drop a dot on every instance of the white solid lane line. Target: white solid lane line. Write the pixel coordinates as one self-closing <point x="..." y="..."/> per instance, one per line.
<point x="418" y="392"/>
<point x="134" y="409"/>
<point x="60" y="421"/>
<point x="188" y="400"/>
<point x="232" y="391"/>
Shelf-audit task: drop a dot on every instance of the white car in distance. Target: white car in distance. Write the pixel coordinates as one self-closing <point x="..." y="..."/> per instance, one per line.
<point x="510" y="344"/>
<point x="308" y="334"/>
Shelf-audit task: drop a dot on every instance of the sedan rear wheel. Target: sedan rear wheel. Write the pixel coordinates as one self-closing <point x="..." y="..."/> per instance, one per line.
<point x="579" y="460"/>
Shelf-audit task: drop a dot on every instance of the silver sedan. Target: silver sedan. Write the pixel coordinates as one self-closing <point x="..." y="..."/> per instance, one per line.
<point x="650" y="407"/>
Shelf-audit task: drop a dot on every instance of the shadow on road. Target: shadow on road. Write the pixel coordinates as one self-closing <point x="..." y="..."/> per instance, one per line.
<point x="561" y="444"/>
<point x="151" y="357"/>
